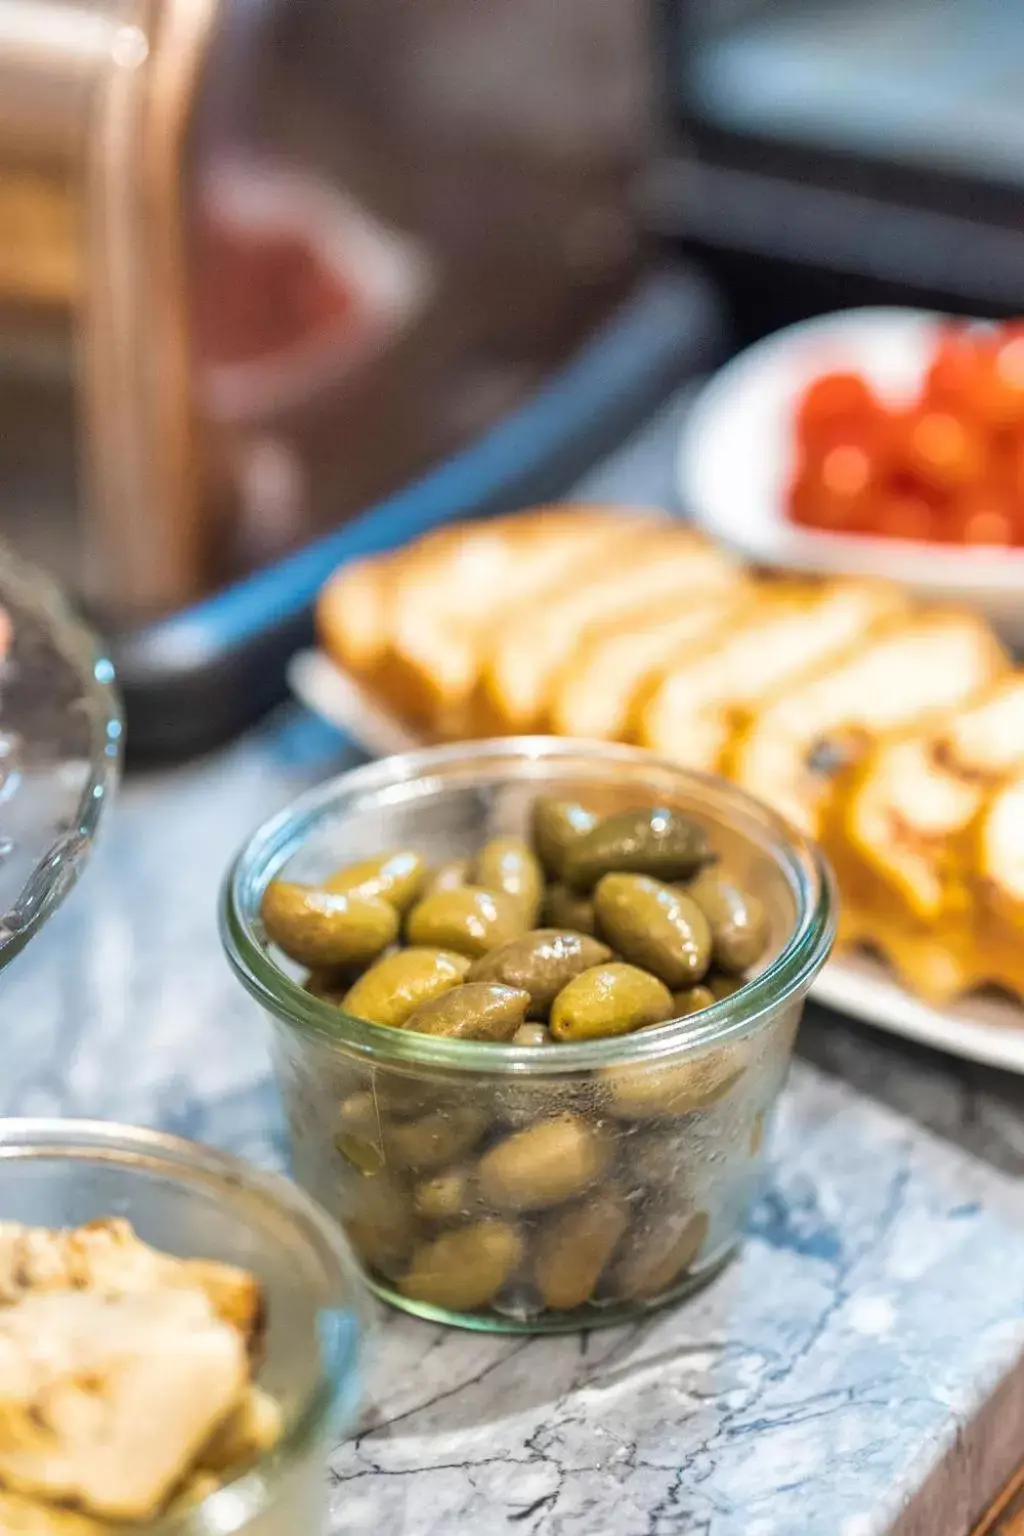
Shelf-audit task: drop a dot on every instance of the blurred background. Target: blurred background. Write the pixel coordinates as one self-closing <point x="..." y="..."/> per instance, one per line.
<point x="265" y="263"/>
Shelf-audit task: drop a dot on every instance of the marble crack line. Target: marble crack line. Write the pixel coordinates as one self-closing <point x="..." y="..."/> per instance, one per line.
<point x="380" y="1425"/>
<point x="732" y="1420"/>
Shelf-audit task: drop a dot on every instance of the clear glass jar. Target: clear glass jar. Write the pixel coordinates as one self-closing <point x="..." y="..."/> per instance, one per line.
<point x="195" y="1202"/>
<point x="657" y="1135"/>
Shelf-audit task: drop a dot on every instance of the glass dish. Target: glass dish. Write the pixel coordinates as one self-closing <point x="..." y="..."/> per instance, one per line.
<point x="195" y="1202"/>
<point x="669" y="1120"/>
<point x="60" y="750"/>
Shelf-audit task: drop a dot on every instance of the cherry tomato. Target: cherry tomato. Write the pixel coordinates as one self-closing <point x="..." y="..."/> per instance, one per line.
<point x="903" y="515"/>
<point x="980" y="519"/>
<point x="831" y="405"/>
<point x="833" y="491"/>
<point x="943" y="450"/>
<point x="952" y="370"/>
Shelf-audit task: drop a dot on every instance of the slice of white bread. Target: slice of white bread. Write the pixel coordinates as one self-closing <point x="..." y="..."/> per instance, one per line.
<point x="446" y="601"/>
<point x="693" y="711"/>
<point x="594" y="696"/>
<point x="793" y="747"/>
<point x="898" y="820"/>
<point x="535" y="643"/>
<point x="412" y="624"/>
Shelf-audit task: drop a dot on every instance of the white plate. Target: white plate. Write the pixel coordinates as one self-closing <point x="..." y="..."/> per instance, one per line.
<point x="735" y="458"/>
<point x="987" y="1029"/>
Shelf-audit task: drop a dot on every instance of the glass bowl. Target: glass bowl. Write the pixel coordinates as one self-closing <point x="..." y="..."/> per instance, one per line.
<point x="194" y="1202"/>
<point x="60" y="750"/>
<point x="647" y="1145"/>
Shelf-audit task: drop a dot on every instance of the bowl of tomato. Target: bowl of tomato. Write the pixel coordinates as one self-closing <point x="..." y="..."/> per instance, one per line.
<point x="884" y="442"/>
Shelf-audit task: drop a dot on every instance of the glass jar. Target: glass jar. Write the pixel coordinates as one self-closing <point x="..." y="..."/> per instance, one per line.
<point x="195" y="1202"/>
<point x="635" y="1157"/>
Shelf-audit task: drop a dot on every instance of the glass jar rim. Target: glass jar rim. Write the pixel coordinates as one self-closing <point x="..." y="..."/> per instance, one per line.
<point x="138" y="1147"/>
<point x="274" y="842"/>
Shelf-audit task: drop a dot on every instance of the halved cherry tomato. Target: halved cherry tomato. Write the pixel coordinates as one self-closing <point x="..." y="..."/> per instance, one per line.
<point x="943" y="450"/>
<point x="980" y="519"/>
<point x="831" y="405"/>
<point x="902" y="515"/>
<point x="834" y="490"/>
<point x="952" y="370"/>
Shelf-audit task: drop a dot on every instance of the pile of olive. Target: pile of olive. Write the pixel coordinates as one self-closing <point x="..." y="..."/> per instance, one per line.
<point x="542" y="1192"/>
<point x="599" y="928"/>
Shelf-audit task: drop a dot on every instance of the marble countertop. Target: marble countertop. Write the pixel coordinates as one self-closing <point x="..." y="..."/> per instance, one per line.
<point x="857" y="1372"/>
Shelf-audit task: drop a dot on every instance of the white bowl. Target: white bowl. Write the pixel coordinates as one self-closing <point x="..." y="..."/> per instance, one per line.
<point x="737" y="450"/>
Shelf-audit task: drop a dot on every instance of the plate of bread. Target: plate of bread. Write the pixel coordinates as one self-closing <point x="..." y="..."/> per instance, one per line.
<point x="890" y="728"/>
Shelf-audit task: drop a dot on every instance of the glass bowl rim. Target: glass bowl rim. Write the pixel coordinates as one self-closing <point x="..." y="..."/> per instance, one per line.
<point x="277" y="839"/>
<point x="25" y="1138"/>
<point x="25" y="584"/>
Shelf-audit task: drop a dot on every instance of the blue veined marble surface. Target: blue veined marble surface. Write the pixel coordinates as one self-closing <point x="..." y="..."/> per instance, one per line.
<point x="841" y="1379"/>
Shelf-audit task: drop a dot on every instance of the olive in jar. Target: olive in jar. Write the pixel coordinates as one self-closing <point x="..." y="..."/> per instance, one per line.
<point x="655" y="927"/>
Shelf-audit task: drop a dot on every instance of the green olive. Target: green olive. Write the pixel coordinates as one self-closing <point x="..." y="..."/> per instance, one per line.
<point x="609" y="1000"/>
<point x="379" y="1221"/>
<point x="724" y="986"/>
<point x="655" y="927"/>
<point x="650" y="1092"/>
<point x="692" y="1000"/>
<point x="478" y="1010"/>
<point x="468" y="920"/>
<point x="461" y="1270"/>
<point x="574" y="1247"/>
<point x="396" y="877"/>
<point x="446" y="1197"/>
<point x="509" y="865"/>
<point x="360" y="1134"/>
<point x="330" y="985"/>
<point x="657" y="842"/>
<point x="320" y="929"/>
<point x="556" y="825"/>
<point x="568" y="910"/>
<point x="541" y="963"/>
<point x="448" y="876"/>
<point x="533" y="1035"/>
<point x="657" y="1256"/>
<point x="396" y="986"/>
<point x="440" y="1137"/>
<point x="545" y="1164"/>
<point x="739" y="922"/>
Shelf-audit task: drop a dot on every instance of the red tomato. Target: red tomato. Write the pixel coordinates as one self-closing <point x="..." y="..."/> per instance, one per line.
<point x="952" y="369"/>
<point x="943" y="450"/>
<point x="980" y="519"/>
<point x="902" y="515"/>
<point x="833" y="491"/>
<point x="831" y="405"/>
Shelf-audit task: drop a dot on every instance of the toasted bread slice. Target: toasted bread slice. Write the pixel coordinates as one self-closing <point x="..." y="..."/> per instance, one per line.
<point x="790" y="753"/>
<point x="996" y="883"/>
<point x="898" y="821"/>
<point x="446" y="600"/>
<point x="595" y="693"/>
<point x="537" y="641"/>
<point x="692" y="712"/>
<point x="352" y="616"/>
